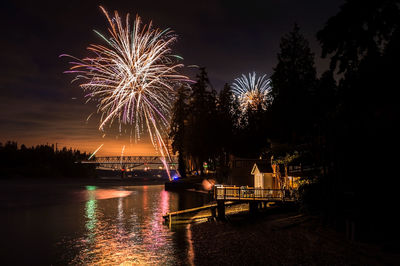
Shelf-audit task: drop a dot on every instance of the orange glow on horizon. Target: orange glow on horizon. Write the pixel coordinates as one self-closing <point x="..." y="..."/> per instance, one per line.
<point x="111" y="147"/>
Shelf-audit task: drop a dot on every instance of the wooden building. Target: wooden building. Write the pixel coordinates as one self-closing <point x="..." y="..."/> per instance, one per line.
<point x="240" y="170"/>
<point x="268" y="176"/>
<point x="264" y="177"/>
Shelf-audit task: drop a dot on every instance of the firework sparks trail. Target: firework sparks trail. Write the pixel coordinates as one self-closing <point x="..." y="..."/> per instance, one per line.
<point x="95" y="151"/>
<point x="132" y="78"/>
<point x="252" y="92"/>
<point x="122" y="153"/>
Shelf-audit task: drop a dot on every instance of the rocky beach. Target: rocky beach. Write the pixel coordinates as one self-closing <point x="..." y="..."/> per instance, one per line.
<point x="279" y="238"/>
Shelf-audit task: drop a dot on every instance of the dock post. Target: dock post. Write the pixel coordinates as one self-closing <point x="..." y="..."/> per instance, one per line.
<point x="253" y="206"/>
<point x="213" y="212"/>
<point x="221" y="209"/>
<point x="170" y="220"/>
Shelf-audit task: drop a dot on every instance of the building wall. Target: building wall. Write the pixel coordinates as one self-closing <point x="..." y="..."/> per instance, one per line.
<point x="258" y="180"/>
<point x="268" y="180"/>
<point x="241" y="171"/>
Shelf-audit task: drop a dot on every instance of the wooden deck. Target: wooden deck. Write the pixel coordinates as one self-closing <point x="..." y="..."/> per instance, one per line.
<point x="233" y="193"/>
<point x="190" y="215"/>
<point x="226" y="196"/>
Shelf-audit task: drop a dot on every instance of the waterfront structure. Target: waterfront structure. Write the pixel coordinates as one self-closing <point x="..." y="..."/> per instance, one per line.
<point x="264" y="177"/>
<point x="240" y="170"/>
<point x="269" y="176"/>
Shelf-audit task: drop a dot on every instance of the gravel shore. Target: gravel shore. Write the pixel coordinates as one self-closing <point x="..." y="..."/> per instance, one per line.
<point x="279" y="238"/>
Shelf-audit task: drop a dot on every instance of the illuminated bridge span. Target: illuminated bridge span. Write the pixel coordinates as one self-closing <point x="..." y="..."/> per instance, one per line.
<point x="130" y="162"/>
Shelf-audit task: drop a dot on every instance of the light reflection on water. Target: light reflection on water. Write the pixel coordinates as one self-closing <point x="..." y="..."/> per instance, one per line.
<point x="126" y="229"/>
<point x="73" y="224"/>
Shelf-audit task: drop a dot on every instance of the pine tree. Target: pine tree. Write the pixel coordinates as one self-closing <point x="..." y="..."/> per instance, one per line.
<point x="202" y="122"/>
<point x="226" y="117"/>
<point x="294" y="82"/>
<point x="177" y="130"/>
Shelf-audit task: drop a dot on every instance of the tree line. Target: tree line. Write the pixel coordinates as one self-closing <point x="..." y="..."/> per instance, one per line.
<point x="208" y="127"/>
<point x="343" y="122"/>
<point x="43" y="161"/>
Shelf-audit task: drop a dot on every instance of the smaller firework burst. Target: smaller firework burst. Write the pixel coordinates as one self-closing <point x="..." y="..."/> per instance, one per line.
<point x="252" y="92"/>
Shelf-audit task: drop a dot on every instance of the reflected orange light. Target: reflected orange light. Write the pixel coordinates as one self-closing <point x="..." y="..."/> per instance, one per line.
<point x="128" y="240"/>
<point x="111" y="147"/>
<point x="208" y="184"/>
<point x="164" y="202"/>
<point x="190" y="242"/>
<point x="144" y="197"/>
<point x="108" y="194"/>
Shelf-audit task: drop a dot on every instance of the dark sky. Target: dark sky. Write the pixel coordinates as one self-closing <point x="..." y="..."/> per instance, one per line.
<point x="227" y="37"/>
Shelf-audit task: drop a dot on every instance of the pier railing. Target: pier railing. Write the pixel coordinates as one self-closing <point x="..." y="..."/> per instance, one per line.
<point x="248" y="193"/>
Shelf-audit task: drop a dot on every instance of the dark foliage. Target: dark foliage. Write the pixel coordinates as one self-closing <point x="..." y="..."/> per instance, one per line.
<point x="360" y="132"/>
<point x="177" y="131"/>
<point x="252" y="139"/>
<point x="42" y="161"/>
<point x="294" y="83"/>
<point x="343" y="125"/>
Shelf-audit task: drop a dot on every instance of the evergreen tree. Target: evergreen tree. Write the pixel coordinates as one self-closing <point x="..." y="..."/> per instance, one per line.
<point x="326" y="96"/>
<point x="224" y="135"/>
<point x="294" y="81"/>
<point x="226" y="116"/>
<point x="360" y="42"/>
<point x="202" y="122"/>
<point x="177" y="130"/>
<point x="360" y="29"/>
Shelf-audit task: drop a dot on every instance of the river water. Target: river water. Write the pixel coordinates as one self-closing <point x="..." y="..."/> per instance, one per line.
<point x="89" y="224"/>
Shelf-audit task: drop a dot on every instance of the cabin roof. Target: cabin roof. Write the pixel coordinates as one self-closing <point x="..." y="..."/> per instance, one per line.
<point x="263" y="168"/>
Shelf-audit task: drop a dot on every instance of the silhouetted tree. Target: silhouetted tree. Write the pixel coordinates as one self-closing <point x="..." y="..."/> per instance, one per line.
<point x="226" y="117"/>
<point x="326" y="95"/>
<point x="360" y="41"/>
<point x="361" y="28"/>
<point x="202" y="122"/>
<point x="294" y="81"/>
<point x="177" y="131"/>
<point x="42" y="161"/>
<point x="252" y="137"/>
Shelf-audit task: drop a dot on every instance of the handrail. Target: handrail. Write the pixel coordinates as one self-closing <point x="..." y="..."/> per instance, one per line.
<point x="240" y="193"/>
<point x="205" y="207"/>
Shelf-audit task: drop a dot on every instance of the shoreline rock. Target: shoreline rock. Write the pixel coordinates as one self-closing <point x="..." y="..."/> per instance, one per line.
<point x="279" y="238"/>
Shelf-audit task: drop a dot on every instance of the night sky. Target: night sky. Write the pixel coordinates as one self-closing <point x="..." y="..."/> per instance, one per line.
<point x="39" y="104"/>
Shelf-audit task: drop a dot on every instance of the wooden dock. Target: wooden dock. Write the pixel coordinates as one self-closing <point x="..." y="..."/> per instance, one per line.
<point x="226" y="196"/>
<point x="234" y="193"/>
<point x="255" y="197"/>
<point x="188" y="215"/>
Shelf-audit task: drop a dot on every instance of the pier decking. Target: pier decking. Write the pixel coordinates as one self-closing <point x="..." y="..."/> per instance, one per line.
<point x="234" y="193"/>
<point x="230" y="195"/>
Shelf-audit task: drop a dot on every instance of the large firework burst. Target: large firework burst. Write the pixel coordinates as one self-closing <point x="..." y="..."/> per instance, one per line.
<point x="132" y="78"/>
<point x="252" y="92"/>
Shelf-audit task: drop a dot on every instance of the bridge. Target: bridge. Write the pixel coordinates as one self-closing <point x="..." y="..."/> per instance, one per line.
<point x="130" y="162"/>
